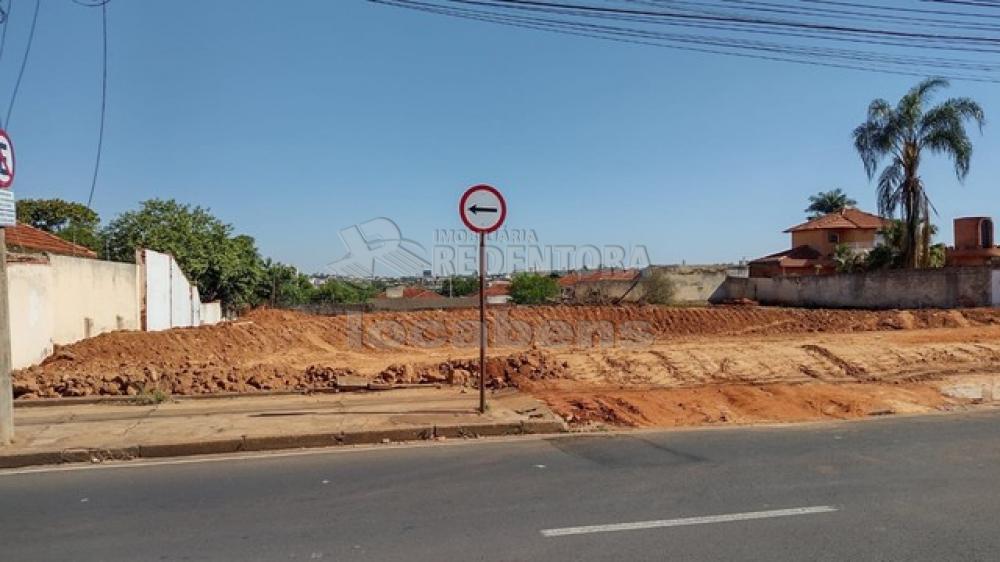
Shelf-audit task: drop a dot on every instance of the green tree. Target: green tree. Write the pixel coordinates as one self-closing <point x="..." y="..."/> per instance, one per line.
<point x="338" y="290"/>
<point x="459" y="286"/>
<point x="900" y="135"/>
<point x="532" y="288"/>
<point x="224" y="267"/>
<point x="70" y="221"/>
<point x="826" y="202"/>
<point x="282" y="285"/>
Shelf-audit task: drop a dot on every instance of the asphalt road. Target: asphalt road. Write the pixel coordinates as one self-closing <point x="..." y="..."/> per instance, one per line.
<point x="893" y="489"/>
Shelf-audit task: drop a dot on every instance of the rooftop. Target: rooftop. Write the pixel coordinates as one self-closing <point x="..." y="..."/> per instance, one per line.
<point x="26" y="238"/>
<point x="848" y="218"/>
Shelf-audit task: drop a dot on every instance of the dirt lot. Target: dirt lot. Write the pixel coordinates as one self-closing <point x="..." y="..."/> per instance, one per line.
<point x="638" y="366"/>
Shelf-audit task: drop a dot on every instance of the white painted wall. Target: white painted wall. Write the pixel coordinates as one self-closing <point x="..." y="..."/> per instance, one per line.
<point x="66" y="300"/>
<point x="171" y="300"/>
<point x="61" y="300"/>
<point x="157" y="280"/>
<point x="32" y="315"/>
<point x="211" y="312"/>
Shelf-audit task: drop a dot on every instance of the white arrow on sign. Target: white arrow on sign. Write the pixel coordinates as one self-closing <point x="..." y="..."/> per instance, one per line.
<point x="482" y="208"/>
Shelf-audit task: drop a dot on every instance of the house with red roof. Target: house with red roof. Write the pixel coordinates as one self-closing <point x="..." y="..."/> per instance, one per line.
<point x="30" y="240"/>
<point x="815" y="241"/>
<point x="404" y="292"/>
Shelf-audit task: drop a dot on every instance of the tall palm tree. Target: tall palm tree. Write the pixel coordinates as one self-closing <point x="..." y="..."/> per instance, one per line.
<point x="826" y="202"/>
<point x="900" y="134"/>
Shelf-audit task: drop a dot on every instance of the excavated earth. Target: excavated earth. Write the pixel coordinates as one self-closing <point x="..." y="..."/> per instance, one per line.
<point x="631" y="365"/>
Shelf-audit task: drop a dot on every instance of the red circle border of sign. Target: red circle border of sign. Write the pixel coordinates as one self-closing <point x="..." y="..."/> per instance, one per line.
<point x="465" y="197"/>
<point x="13" y="167"/>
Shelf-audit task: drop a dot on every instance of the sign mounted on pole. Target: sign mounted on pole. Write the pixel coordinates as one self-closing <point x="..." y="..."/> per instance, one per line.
<point x="483" y="210"/>
<point x="6" y="160"/>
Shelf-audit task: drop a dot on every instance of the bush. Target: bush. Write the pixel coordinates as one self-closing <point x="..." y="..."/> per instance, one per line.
<point x="658" y="289"/>
<point x="532" y="288"/>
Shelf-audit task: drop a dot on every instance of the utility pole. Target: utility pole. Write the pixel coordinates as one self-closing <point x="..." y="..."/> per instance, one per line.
<point x="6" y="387"/>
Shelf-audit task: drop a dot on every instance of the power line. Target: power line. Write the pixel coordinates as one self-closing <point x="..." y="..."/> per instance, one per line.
<point x="24" y="63"/>
<point x="726" y="26"/>
<point x="3" y="34"/>
<point x="104" y="97"/>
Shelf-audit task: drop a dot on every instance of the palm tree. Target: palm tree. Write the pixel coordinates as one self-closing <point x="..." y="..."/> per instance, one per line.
<point x="826" y="202"/>
<point x="900" y="134"/>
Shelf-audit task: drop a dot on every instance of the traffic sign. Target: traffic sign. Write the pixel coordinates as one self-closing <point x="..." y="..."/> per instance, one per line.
<point x="6" y="160"/>
<point x="482" y="208"/>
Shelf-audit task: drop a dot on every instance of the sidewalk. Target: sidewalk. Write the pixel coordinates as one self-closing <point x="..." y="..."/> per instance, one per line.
<point x="100" y="432"/>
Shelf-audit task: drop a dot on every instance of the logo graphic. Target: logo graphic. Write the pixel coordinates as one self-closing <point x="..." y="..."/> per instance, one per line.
<point x="377" y="247"/>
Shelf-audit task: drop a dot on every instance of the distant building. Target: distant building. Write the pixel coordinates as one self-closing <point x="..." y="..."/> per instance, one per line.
<point x="815" y="241"/>
<point x="406" y="292"/>
<point x="974" y="243"/>
<point x="497" y="292"/>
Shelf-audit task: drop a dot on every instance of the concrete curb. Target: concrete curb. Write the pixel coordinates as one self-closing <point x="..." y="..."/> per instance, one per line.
<point x="278" y="442"/>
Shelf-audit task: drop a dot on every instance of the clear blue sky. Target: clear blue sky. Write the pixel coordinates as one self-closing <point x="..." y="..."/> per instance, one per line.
<point x="294" y="120"/>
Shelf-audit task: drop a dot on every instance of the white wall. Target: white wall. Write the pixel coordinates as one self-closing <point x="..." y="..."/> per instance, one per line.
<point x="60" y="300"/>
<point x="171" y="300"/>
<point x="156" y="275"/>
<point x="211" y="312"/>
<point x="31" y="312"/>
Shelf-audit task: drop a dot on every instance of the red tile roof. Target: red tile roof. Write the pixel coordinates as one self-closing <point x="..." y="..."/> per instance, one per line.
<point x="497" y="290"/>
<point x="799" y="256"/>
<point x="849" y="218"/>
<point x="571" y="279"/>
<point x="413" y="293"/>
<point x="30" y="239"/>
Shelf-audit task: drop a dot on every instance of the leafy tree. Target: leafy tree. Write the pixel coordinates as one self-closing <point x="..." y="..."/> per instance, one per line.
<point x="532" y="288"/>
<point x="282" y="285"/>
<point x="337" y="290"/>
<point x="658" y="288"/>
<point x="826" y="202"/>
<point x="223" y="267"/>
<point x="459" y="286"/>
<point x="900" y="135"/>
<point x="70" y="221"/>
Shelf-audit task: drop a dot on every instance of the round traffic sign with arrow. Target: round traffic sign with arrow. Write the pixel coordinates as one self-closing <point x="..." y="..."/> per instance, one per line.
<point x="6" y="160"/>
<point x="482" y="208"/>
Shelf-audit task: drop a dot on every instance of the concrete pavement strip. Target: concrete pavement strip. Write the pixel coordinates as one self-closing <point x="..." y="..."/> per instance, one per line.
<point x="94" y="433"/>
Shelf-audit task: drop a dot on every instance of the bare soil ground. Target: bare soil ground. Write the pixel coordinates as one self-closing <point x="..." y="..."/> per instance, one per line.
<point x="636" y="366"/>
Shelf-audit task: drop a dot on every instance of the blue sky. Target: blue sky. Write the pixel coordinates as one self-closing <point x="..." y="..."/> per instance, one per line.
<point x="294" y="120"/>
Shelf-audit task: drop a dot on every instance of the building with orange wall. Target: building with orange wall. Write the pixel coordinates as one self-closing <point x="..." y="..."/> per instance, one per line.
<point x="815" y="241"/>
<point x="974" y="244"/>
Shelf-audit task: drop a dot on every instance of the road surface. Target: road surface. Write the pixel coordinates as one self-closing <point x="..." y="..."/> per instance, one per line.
<point x="923" y="488"/>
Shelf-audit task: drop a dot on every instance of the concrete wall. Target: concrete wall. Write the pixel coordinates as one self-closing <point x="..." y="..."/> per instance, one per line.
<point x="156" y="277"/>
<point x="949" y="287"/>
<point x="171" y="301"/>
<point x="32" y="314"/>
<point x="60" y="300"/>
<point x="694" y="283"/>
<point x="211" y="312"/>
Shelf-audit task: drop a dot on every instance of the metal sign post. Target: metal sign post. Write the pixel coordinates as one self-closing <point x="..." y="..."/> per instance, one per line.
<point x="7" y="218"/>
<point x="483" y="210"/>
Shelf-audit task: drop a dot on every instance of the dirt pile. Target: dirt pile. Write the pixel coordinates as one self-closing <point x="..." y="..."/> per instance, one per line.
<point x="514" y="370"/>
<point x="743" y="404"/>
<point x="594" y="346"/>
